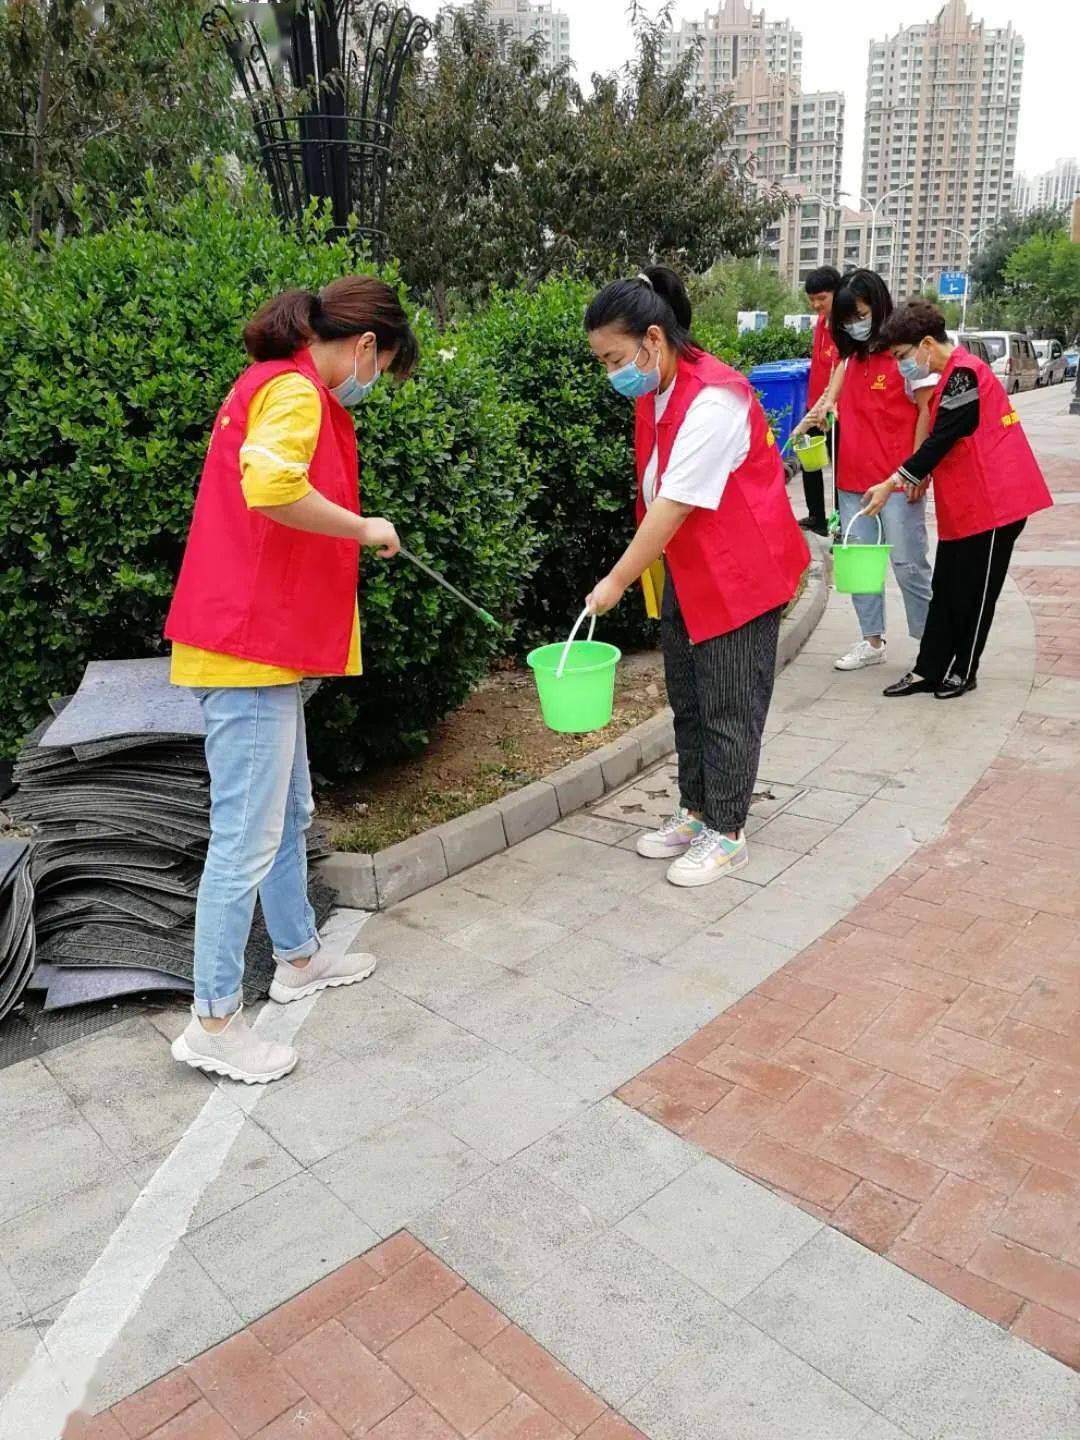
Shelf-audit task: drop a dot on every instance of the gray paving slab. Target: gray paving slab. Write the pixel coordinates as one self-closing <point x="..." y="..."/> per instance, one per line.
<point x="13" y="1307"/>
<point x="734" y="959"/>
<point x="503" y="1108"/>
<point x="982" y="1383"/>
<point x="278" y="1243"/>
<point x="47" y="1251"/>
<point x="594" y="827"/>
<point x="789" y="831"/>
<point x="440" y="911"/>
<point x="505" y="1231"/>
<point x="666" y="1004"/>
<point x="427" y="969"/>
<point x="789" y="759"/>
<point x="510" y="1010"/>
<point x="743" y="1386"/>
<point x="785" y="916"/>
<point x="558" y="853"/>
<point x="323" y="1109"/>
<point x="128" y="1087"/>
<point x="572" y="900"/>
<point x="701" y="904"/>
<point x="394" y="1175"/>
<point x="503" y="878"/>
<point x="817" y="1305"/>
<point x="182" y="1314"/>
<point x="720" y="1229"/>
<point x="507" y="938"/>
<point x="616" y="1316"/>
<point x="255" y="1163"/>
<point x="17" y="1346"/>
<point x="583" y="968"/>
<point x="610" y="1158"/>
<point x="593" y="1054"/>
<point x="766" y="862"/>
<point x="641" y="928"/>
<point x="881" y="1429"/>
<point x="43" y="1162"/>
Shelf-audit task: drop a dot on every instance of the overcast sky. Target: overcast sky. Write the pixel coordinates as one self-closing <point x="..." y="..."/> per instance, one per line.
<point x="836" y="34"/>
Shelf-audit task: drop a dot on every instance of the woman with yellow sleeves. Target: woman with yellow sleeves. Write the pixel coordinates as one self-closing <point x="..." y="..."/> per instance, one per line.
<point x="266" y="599"/>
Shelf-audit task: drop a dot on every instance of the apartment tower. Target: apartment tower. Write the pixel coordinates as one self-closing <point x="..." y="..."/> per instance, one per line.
<point x="522" y="19"/>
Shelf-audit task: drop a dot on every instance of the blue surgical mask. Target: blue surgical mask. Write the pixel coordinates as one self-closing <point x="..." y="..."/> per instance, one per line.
<point x="859" y="330"/>
<point x="913" y="369"/>
<point x="352" y="389"/>
<point x="633" y="383"/>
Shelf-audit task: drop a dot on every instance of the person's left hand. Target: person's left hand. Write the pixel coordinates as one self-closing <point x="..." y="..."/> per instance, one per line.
<point x="876" y="498"/>
<point x="916" y="492"/>
<point x="605" y="596"/>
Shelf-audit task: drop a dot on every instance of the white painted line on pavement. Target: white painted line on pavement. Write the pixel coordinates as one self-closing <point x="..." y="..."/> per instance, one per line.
<point x="58" y="1375"/>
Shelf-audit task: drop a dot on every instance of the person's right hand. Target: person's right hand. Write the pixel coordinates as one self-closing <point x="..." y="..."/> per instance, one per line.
<point x="380" y="535"/>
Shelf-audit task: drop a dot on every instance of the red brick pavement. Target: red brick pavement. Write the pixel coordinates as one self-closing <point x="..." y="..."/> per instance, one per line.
<point x="393" y="1346"/>
<point x="914" y="1077"/>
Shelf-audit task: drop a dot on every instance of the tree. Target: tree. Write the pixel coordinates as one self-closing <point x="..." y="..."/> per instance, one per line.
<point x="989" y="262"/>
<point x="1043" y="278"/>
<point x="92" y="96"/>
<point x="506" y="171"/>
<point x="734" y="285"/>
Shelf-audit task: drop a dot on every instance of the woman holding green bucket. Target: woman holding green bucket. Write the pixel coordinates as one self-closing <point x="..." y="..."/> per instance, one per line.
<point x="712" y="502"/>
<point x="881" y="421"/>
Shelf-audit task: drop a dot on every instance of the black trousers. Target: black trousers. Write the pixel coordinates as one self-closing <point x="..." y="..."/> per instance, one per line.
<point x="720" y="692"/>
<point x="968" y="576"/>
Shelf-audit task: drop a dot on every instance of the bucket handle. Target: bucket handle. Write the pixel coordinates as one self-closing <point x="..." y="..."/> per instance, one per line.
<point x="573" y="633"/>
<point x="880" y="527"/>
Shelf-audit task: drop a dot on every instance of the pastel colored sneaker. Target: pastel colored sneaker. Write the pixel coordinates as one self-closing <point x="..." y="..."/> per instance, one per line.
<point x="326" y="968"/>
<point x="235" y="1052"/>
<point x="675" y="835"/>
<point x="861" y="655"/>
<point x="709" y="858"/>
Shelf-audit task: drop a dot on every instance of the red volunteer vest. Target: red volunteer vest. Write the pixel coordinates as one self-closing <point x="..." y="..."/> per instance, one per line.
<point x="823" y="357"/>
<point x="877" y="422"/>
<point x="990" y="478"/>
<point x="746" y="557"/>
<point x="255" y="589"/>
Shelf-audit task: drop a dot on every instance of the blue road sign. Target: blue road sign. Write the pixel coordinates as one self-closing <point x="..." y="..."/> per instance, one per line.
<point x="953" y="283"/>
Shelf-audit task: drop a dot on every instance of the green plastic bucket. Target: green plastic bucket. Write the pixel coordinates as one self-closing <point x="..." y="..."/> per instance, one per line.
<point x="860" y="569"/>
<point x="576" y="682"/>
<point x="812" y="452"/>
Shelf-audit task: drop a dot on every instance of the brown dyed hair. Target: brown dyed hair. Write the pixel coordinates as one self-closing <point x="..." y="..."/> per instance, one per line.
<point x="353" y="305"/>
<point x="912" y="322"/>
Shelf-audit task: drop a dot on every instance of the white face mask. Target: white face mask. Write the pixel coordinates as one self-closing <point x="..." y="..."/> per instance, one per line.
<point x="860" y="329"/>
<point x="352" y="389"/>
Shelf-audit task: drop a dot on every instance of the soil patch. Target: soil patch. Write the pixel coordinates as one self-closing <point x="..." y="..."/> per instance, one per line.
<point x="495" y="743"/>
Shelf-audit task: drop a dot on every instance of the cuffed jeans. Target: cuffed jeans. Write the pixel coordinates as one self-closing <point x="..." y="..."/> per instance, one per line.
<point x="261" y="809"/>
<point x="904" y="528"/>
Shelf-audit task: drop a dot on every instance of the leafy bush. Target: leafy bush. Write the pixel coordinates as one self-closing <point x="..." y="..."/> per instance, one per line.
<point x="115" y="352"/>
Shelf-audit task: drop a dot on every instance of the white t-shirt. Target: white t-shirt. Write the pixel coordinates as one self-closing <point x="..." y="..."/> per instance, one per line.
<point x="713" y="440"/>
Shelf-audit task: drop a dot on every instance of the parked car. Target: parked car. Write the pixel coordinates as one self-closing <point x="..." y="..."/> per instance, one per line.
<point x="1012" y="359"/>
<point x="974" y="345"/>
<point x="1051" y="359"/>
<point x="1072" y="362"/>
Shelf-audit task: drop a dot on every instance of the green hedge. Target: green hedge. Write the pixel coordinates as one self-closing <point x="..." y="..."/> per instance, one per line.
<point x="115" y="352"/>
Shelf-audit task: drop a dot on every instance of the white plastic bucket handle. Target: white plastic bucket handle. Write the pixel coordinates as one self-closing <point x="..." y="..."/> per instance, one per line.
<point x="880" y="527"/>
<point x="573" y="633"/>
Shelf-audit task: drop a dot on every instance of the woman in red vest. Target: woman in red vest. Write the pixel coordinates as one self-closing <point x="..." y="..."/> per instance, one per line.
<point x="711" y="500"/>
<point x="266" y="600"/>
<point x="881" y="420"/>
<point x="986" y="483"/>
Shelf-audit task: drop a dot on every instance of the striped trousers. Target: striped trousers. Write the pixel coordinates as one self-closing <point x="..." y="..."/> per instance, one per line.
<point x="720" y="692"/>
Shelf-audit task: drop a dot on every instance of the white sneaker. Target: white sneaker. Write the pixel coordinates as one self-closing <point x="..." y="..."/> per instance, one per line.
<point x="710" y="857"/>
<point x="235" y="1052"/>
<point x="675" y="835"/>
<point x="861" y="655"/>
<point x="327" y="967"/>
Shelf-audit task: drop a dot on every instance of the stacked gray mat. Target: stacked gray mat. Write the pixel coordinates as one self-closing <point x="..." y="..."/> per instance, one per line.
<point x="117" y="794"/>
<point x="16" y="923"/>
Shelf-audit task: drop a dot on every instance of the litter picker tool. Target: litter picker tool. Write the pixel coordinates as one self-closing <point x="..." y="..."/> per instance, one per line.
<point x="485" y="615"/>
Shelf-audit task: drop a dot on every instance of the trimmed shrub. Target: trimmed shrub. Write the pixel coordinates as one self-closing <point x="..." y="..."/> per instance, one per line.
<point x="115" y="351"/>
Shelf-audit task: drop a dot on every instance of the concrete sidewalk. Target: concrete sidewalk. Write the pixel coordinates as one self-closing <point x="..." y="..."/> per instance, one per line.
<point x="467" y="1094"/>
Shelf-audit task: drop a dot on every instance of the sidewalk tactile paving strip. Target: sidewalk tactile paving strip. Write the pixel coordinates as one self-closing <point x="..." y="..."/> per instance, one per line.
<point x="393" y="1346"/>
<point x="913" y="1078"/>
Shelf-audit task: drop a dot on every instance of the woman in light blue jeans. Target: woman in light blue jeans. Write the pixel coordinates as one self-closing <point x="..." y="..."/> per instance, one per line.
<point x="904" y="528"/>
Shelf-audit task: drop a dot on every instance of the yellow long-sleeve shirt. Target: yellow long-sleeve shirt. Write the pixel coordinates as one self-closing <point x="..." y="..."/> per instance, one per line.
<point x="283" y="430"/>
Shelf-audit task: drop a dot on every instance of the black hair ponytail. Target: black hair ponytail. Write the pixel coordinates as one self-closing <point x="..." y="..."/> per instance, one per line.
<point x="656" y="296"/>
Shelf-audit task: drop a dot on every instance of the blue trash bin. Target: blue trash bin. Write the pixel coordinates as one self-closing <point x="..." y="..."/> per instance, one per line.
<point x="782" y="385"/>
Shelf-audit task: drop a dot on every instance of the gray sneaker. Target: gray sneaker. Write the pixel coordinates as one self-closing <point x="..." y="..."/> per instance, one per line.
<point x="327" y="967"/>
<point x="235" y="1052"/>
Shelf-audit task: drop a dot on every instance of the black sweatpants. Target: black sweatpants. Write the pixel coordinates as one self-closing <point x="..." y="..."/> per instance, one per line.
<point x="968" y="576"/>
<point x="720" y="692"/>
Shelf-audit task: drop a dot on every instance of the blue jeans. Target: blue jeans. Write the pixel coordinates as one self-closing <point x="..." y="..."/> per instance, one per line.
<point x="904" y="529"/>
<point x="260" y="811"/>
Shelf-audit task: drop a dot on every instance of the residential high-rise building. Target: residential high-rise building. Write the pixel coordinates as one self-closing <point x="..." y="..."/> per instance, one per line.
<point x="731" y="39"/>
<point x="813" y="233"/>
<point x="1054" y="189"/>
<point x="795" y="140"/>
<point x="522" y="19"/>
<point x="942" y="108"/>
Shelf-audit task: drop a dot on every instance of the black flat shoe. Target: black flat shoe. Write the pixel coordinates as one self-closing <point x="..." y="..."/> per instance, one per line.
<point x="952" y="687"/>
<point x="809" y="523"/>
<point x="910" y="685"/>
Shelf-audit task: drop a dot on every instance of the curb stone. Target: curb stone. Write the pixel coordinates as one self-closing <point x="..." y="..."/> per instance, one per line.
<point x="376" y="882"/>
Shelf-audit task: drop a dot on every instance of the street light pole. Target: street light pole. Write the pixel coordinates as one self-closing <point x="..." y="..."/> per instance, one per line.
<point x="969" y="241"/>
<point x="874" y="207"/>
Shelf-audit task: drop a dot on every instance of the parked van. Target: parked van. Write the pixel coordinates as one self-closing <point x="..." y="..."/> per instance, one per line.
<point x="1012" y="359"/>
<point x="1051" y="358"/>
<point x="974" y="345"/>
